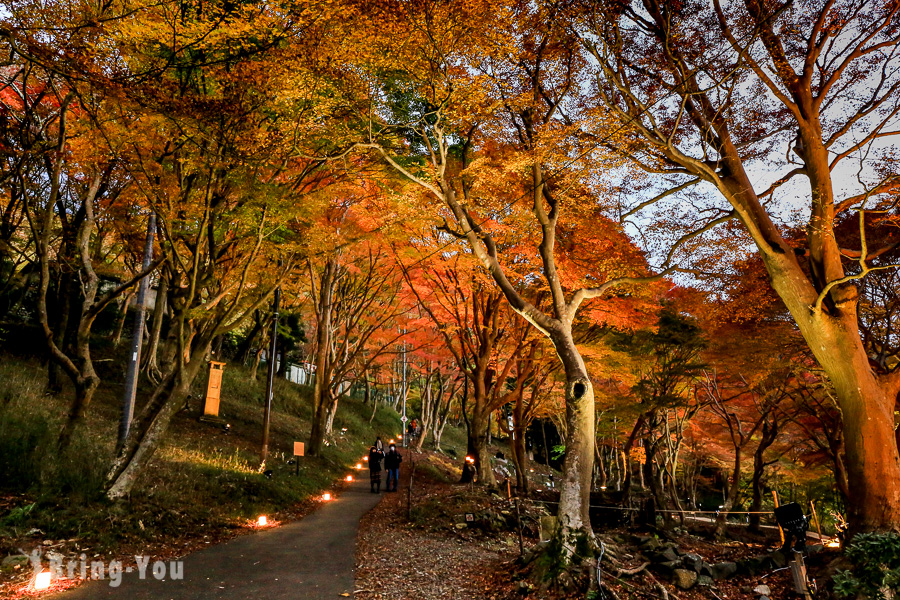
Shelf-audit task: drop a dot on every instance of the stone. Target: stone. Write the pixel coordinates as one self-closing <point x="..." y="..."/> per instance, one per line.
<point x="723" y="570"/>
<point x="15" y="560"/>
<point x="692" y="561"/>
<point x="778" y="559"/>
<point x="460" y="525"/>
<point x="753" y="566"/>
<point x="684" y="579"/>
<point x="667" y="568"/>
<point x="548" y="527"/>
<point x="814" y="548"/>
<point x="669" y="554"/>
<point x="704" y="580"/>
<point x="651" y="545"/>
<point x="762" y="590"/>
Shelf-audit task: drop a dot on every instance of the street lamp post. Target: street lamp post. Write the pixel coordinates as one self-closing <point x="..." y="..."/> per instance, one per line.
<point x="137" y="337"/>
<point x="270" y="376"/>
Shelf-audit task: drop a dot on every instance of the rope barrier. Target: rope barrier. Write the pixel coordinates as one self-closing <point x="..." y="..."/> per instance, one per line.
<point x="683" y="512"/>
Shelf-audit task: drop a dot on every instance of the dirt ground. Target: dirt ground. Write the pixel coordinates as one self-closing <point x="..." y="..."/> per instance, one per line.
<point x="419" y="546"/>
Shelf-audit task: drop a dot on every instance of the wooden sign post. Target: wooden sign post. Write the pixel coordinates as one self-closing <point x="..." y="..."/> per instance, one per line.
<point x="213" y="392"/>
<point x="299" y="448"/>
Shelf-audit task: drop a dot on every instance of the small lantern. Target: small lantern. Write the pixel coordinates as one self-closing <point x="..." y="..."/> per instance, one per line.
<point x="326" y="496"/>
<point x="366" y="458"/>
<point x="392" y="442"/>
<point x="42" y="580"/>
<point x="359" y="465"/>
<point x="399" y="436"/>
<point x="262" y="521"/>
<point x="349" y="477"/>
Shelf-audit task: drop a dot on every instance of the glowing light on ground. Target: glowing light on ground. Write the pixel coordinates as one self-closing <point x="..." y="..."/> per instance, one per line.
<point x="326" y="496"/>
<point x="349" y="477"/>
<point x="42" y="580"/>
<point x="359" y="465"/>
<point x="262" y="521"/>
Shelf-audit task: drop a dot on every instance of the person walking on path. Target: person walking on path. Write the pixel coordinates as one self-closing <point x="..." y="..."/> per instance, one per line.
<point x="375" y="458"/>
<point x="392" y="464"/>
<point x="379" y="445"/>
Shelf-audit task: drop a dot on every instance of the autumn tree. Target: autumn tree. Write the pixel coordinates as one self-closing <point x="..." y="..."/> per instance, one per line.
<point x="477" y="119"/>
<point x="770" y="103"/>
<point x="354" y="298"/>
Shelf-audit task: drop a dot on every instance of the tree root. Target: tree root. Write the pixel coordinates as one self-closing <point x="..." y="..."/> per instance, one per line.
<point x="662" y="589"/>
<point x="630" y="572"/>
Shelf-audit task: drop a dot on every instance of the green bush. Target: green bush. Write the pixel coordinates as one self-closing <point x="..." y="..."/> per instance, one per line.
<point x="876" y="567"/>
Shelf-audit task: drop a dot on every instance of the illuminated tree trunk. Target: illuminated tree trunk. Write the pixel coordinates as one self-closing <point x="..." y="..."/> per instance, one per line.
<point x="321" y="391"/>
<point x="149" y="427"/>
<point x="578" y="464"/>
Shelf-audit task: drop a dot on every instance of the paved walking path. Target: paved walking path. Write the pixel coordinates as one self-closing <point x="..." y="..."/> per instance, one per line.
<point x="311" y="559"/>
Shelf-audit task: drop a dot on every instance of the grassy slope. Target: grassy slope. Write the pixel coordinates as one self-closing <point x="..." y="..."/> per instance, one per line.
<point x="204" y="485"/>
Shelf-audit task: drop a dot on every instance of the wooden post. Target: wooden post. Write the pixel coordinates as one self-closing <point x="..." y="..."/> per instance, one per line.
<point x="412" y="472"/>
<point x="798" y="571"/>
<point x="519" y="528"/>
<point x="812" y="505"/>
<point x="508" y="491"/>
<point x="780" y="530"/>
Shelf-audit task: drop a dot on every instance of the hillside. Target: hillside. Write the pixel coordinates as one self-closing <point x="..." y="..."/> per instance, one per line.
<point x="205" y="484"/>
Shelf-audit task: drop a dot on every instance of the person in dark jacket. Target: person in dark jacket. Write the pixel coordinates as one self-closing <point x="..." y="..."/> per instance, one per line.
<point x="392" y="464"/>
<point x="375" y="458"/>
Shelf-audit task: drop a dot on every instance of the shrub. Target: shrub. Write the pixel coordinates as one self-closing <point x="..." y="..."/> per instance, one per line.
<point x="876" y="567"/>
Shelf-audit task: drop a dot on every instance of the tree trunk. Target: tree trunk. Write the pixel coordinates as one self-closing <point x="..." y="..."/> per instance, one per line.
<point x="578" y="465"/>
<point x="151" y="358"/>
<point x="468" y="470"/>
<point x="479" y="447"/>
<point x="732" y="495"/>
<point x="123" y="316"/>
<point x="866" y="400"/>
<point x="147" y="432"/>
<point x="322" y="390"/>
<point x="332" y="410"/>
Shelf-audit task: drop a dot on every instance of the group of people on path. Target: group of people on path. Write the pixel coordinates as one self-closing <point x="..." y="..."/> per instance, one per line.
<point x="391" y="460"/>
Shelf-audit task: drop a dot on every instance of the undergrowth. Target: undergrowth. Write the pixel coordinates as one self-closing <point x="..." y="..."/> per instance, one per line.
<point x="202" y="482"/>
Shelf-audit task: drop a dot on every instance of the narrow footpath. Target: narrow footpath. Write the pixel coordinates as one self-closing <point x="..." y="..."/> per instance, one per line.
<point x="311" y="559"/>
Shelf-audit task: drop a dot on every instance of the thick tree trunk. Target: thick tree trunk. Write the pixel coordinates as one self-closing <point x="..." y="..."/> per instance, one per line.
<point x="319" y="420"/>
<point x="866" y="400"/>
<point x="322" y="390"/>
<point x="479" y="443"/>
<point x="149" y="428"/>
<point x="468" y="470"/>
<point x="578" y="465"/>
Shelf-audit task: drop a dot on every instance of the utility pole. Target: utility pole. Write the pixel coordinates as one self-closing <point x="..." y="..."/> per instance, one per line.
<point x="270" y="376"/>
<point x="137" y="336"/>
<point x="405" y="392"/>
